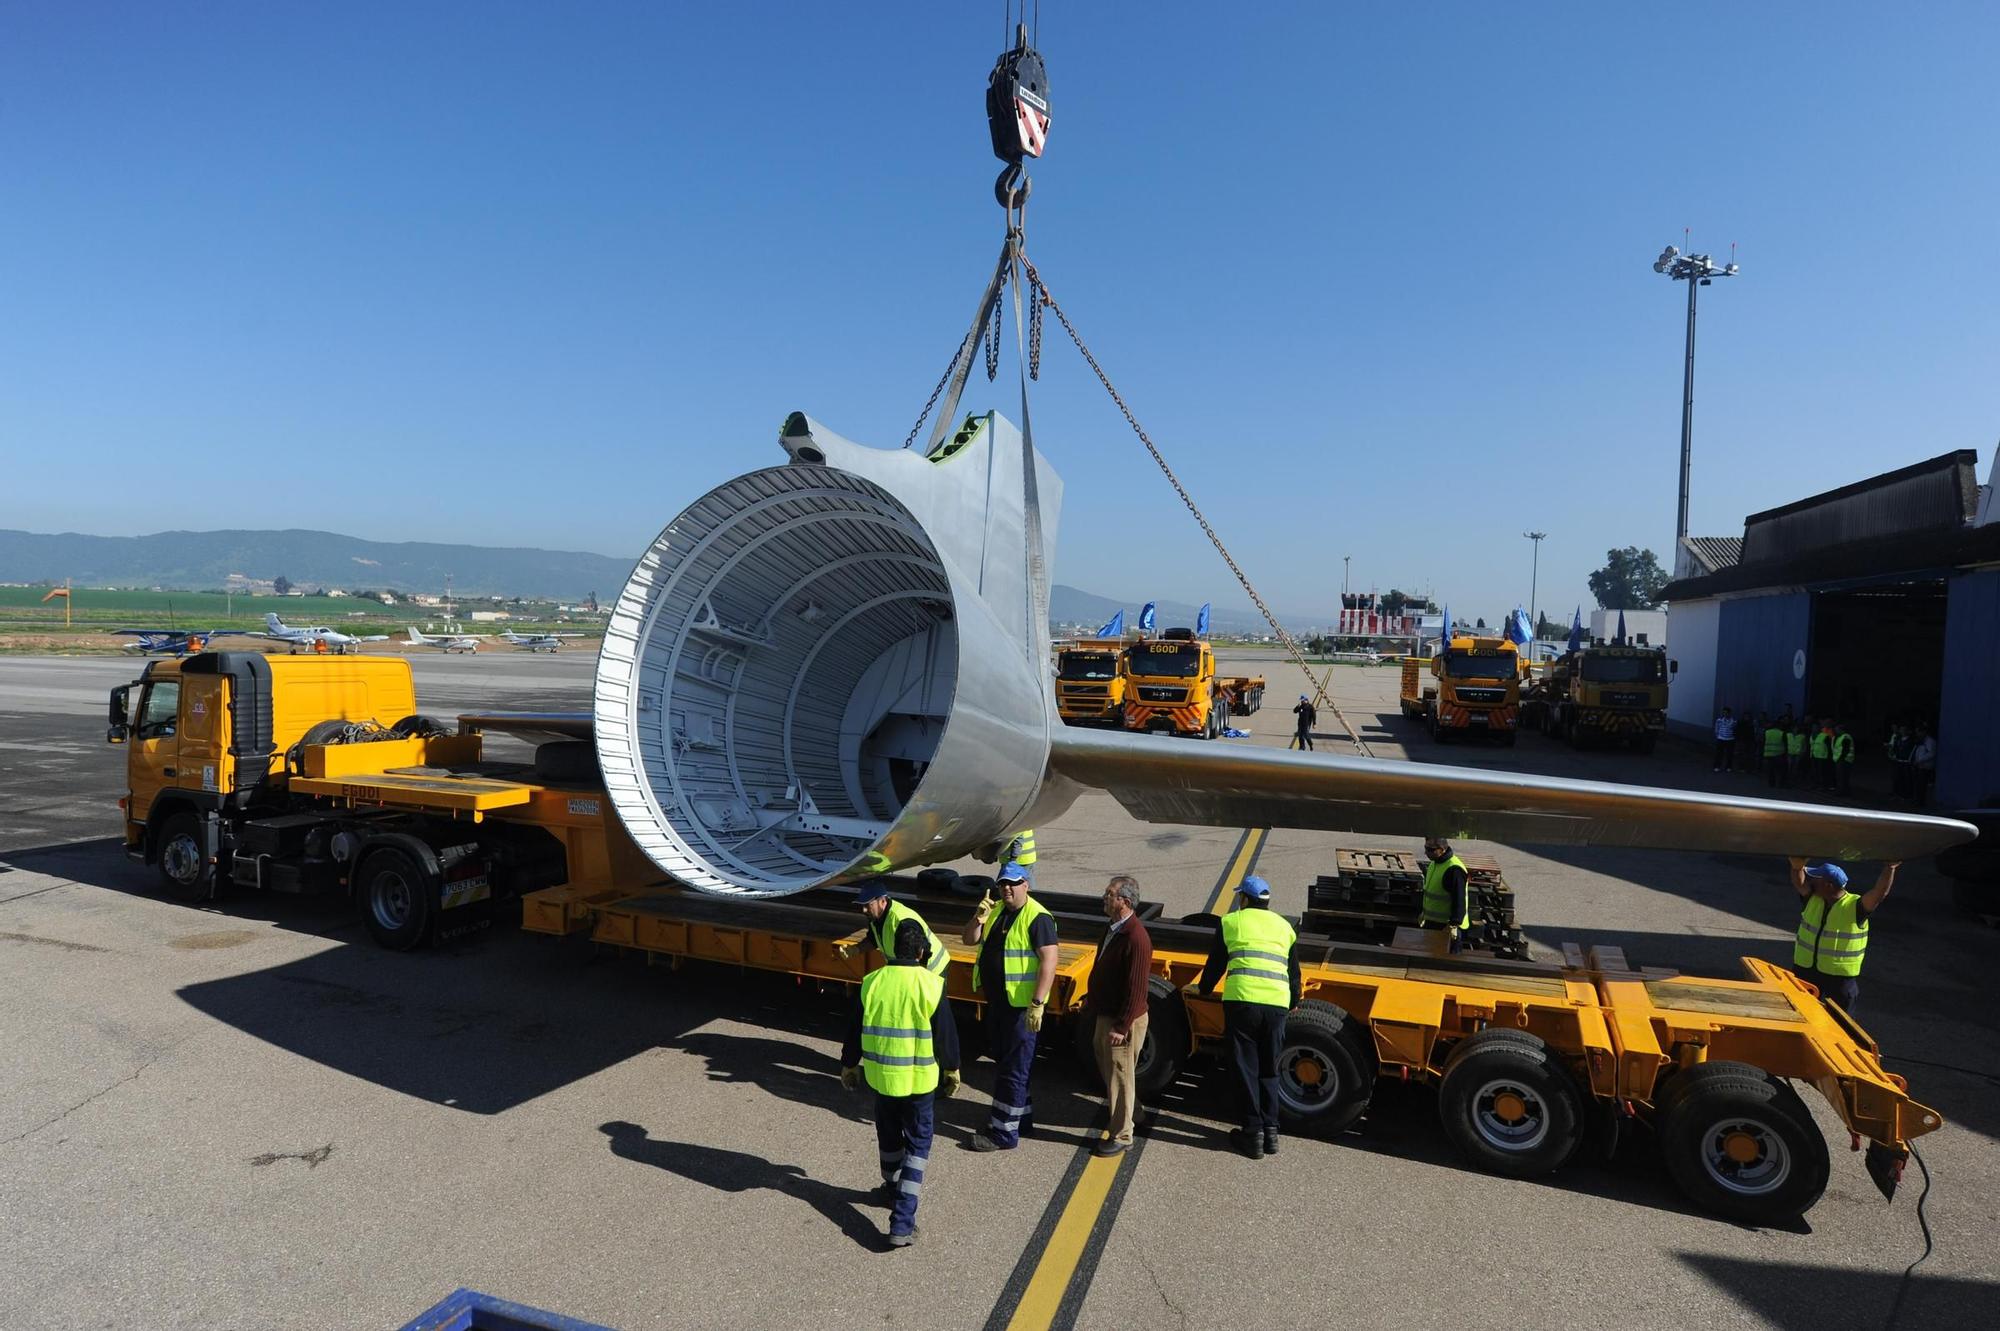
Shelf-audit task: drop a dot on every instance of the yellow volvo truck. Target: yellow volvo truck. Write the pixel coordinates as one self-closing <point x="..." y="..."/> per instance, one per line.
<point x="1171" y="685"/>
<point x="1614" y="694"/>
<point x="1090" y="682"/>
<point x="1474" y="689"/>
<point x="316" y="774"/>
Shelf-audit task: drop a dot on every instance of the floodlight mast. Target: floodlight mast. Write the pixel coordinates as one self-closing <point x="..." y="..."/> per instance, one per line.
<point x="1697" y="270"/>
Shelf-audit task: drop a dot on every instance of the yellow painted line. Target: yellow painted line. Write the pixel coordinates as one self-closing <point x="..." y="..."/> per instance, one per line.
<point x="1239" y="868"/>
<point x="1044" y="1294"/>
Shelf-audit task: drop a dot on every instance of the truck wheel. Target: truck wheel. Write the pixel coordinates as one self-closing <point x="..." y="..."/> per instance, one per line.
<point x="1740" y="1143"/>
<point x="1326" y="1068"/>
<point x="417" y="726"/>
<point x="1509" y="1106"/>
<point x="1510" y="738"/>
<point x="185" y="873"/>
<point x="1647" y="743"/>
<point x="1160" y="1057"/>
<point x="398" y="900"/>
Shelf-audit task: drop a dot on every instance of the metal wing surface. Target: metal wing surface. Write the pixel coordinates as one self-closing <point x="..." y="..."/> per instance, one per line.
<point x="1163" y="781"/>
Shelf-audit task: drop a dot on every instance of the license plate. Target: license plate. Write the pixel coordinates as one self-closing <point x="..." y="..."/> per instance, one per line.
<point x="1476" y="719"/>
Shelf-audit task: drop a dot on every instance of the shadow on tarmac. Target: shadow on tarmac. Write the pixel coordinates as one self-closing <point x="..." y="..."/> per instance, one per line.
<point x="1792" y="1296"/>
<point x="739" y="1171"/>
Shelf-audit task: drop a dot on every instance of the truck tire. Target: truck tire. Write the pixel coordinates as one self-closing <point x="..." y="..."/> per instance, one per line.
<point x="1647" y="743"/>
<point x="1326" y="1069"/>
<point x="1740" y="1143"/>
<point x="1510" y="738"/>
<point x="1161" y="1057"/>
<point x="397" y="897"/>
<point x="416" y="726"/>
<point x="185" y="873"/>
<point x="1509" y="1106"/>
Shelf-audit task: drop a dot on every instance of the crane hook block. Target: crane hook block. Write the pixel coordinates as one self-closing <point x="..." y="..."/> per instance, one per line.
<point x="1017" y="102"/>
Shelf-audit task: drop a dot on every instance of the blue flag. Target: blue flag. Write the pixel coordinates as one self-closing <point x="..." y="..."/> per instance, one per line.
<point x="1444" y="632"/>
<point x="1146" y="616"/>
<point x="1620" y="639"/>
<point x="1518" y="631"/>
<point x="1201" y="622"/>
<point x="1115" y="626"/>
<point x="1575" y="631"/>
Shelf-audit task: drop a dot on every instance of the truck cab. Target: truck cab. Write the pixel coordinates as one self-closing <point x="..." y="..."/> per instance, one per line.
<point x="1614" y="693"/>
<point x="1090" y="682"/>
<point x="1172" y="687"/>
<point x="1474" y="688"/>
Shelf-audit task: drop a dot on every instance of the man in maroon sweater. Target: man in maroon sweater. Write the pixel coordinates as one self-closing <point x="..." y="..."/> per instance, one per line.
<point x="1116" y="1000"/>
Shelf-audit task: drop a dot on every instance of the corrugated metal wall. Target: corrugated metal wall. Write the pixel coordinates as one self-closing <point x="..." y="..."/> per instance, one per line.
<point x="1757" y="645"/>
<point x="1930" y="496"/>
<point x="1969" y="720"/>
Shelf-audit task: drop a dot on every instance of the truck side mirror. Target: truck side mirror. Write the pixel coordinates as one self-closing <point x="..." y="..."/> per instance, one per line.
<point x="1673" y="667"/>
<point x="119" y="728"/>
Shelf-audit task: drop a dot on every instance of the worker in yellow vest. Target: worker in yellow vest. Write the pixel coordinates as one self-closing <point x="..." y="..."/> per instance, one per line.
<point x="1018" y="954"/>
<point x="1255" y="956"/>
<point x="1832" y="937"/>
<point x="902" y="1040"/>
<point x="1795" y="750"/>
<point x="1774" y="753"/>
<point x="884" y="916"/>
<point x="1021" y="850"/>
<point x="1820" y="747"/>
<point x="1447" y="898"/>
<point x="1843" y="758"/>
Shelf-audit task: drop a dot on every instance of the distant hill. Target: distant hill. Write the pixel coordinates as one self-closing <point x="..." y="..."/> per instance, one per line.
<point x="195" y="560"/>
<point x="198" y="560"/>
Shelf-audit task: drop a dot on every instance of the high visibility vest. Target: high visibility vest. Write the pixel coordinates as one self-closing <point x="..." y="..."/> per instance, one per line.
<point x="1795" y="744"/>
<point x="885" y="936"/>
<point x="1774" y="741"/>
<point x="1259" y="943"/>
<point x="1020" y="965"/>
<point x="1843" y="747"/>
<point x="897" y="1004"/>
<point x="1830" y="939"/>
<point x="1021" y="849"/>
<point x="1820" y="746"/>
<point x="1437" y="897"/>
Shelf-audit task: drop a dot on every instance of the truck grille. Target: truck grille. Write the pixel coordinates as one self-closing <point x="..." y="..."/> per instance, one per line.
<point x="1482" y="695"/>
<point x="1087" y="690"/>
<point x="1625" y="699"/>
<point x="1157" y="693"/>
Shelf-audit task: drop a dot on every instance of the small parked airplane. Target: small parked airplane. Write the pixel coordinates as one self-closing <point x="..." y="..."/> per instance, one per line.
<point x="176" y="642"/>
<point x="538" y="642"/>
<point x="307" y="639"/>
<point x="448" y="642"/>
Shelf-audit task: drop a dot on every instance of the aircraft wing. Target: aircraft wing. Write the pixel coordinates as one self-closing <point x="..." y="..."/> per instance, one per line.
<point x="1209" y="784"/>
<point x="533" y="727"/>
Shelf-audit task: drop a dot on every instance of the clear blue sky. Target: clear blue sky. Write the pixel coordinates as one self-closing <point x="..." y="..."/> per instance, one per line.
<point x="1378" y="279"/>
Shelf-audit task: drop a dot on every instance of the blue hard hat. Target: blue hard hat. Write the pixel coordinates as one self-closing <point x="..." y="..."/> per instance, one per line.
<point x="874" y="891"/>
<point x="1833" y="873"/>
<point x="1012" y="872"/>
<point x="1255" y="887"/>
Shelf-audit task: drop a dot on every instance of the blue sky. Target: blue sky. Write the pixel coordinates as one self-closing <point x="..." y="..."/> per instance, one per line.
<point x="1376" y="278"/>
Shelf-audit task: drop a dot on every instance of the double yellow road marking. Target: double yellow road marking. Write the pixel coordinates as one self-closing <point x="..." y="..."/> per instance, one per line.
<point x="1238" y="867"/>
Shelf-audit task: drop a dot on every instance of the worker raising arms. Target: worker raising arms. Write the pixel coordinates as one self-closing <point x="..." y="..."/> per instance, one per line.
<point x="1018" y="953"/>
<point x="1832" y="938"/>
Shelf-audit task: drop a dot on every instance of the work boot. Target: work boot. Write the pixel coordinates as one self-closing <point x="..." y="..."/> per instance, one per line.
<point x="1270" y="1141"/>
<point x="904" y="1239"/>
<point x="982" y="1143"/>
<point x="1250" y="1141"/>
<point x="887" y="1194"/>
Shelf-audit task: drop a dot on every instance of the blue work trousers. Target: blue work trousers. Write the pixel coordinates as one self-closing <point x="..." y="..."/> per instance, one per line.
<point x="1012" y="1046"/>
<point x="903" y="1138"/>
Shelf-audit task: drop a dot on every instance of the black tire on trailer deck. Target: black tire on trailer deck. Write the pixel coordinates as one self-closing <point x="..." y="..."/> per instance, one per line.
<point x="397" y="898"/>
<point x="1160" y="1057"/>
<point x="567" y="760"/>
<point x="1509" y="1105"/>
<point x="1740" y="1143"/>
<point x="185" y="873"/>
<point x="416" y="724"/>
<point x="937" y="880"/>
<point x="974" y="884"/>
<point x="1326" y="1069"/>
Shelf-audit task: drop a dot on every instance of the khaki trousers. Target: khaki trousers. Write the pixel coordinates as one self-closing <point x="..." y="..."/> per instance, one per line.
<point x="1118" y="1066"/>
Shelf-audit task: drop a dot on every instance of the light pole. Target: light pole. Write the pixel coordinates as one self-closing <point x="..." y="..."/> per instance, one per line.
<point x="1697" y="270"/>
<point x="1534" y="580"/>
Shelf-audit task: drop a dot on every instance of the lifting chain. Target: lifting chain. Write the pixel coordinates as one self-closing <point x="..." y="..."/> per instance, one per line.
<point x="1044" y="295"/>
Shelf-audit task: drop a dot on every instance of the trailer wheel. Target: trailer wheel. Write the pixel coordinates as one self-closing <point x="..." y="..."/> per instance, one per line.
<point x="1740" y="1143"/>
<point x="1160" y="1057"/>
<point x="185" y="873"/>
<point x="1510" y="738"/>
<point x="1326" y="1068"/>
<point x="1509" y="1106"/>
<point x="1647" y="742"/>
<point x="397" y="897"/>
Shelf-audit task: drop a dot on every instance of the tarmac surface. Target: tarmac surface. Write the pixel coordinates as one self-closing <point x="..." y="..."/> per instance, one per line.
<point x="248" y="1116"/>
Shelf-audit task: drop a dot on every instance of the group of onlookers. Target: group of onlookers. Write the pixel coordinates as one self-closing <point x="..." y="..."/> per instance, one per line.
<point x="1818" y="753"/>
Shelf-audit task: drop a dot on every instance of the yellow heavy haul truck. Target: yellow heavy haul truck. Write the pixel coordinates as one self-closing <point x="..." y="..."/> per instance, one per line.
<point x="1612" y="694"/>
<point x="1090" y="682"/>
<point x="279" y="773"/>
<point x="1171" y="685"/>
<point x="1474" y="689"/>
